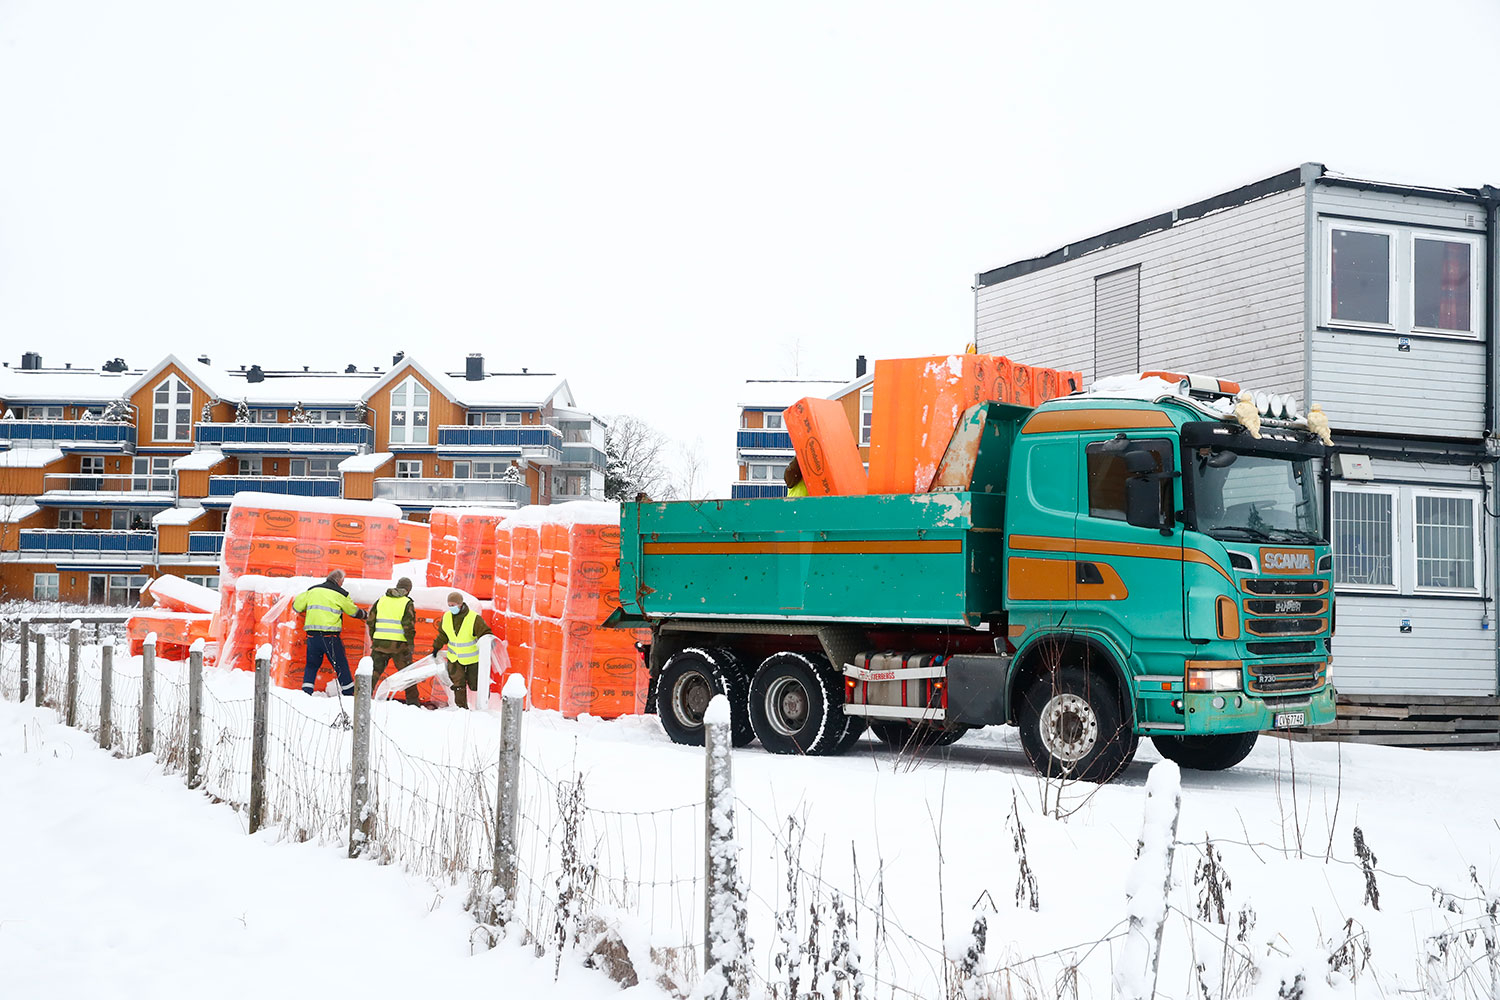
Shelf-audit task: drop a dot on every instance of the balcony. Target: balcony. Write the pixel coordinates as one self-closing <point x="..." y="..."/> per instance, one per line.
<point x="423" y="493"/>
<point x="585" y="456"/>
<point x="69" y="435"/>
<point x="221" y="489"/>
<point x="205" y="543"/>
<point x="756" y="491"/>
<point x="322" y="439"/>
<point x="65" y="544"/>
<point x="763" y="441"/>
<point x="539" y="444"/>
<point x="73" y="490"/>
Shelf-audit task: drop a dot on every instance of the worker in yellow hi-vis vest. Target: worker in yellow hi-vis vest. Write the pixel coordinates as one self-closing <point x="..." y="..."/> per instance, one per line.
<point x="459" y="631"/>
<point x="323" y="608"/>
<point x="393" y="632"/>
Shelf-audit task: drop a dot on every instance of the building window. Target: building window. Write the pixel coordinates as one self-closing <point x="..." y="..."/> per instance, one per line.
<point x="125" y="589"/>
<point x="512" y="417"/>
<point x="44" y="413"/>
<point x="409" y="413"/>
<point x="153" y="474"/>
<point x="261" y="416"/>
<point x="866" y="414"/>
<point x="211" y="582"/>
<point x="766" y="471"/>
<point x="409" y="468"/>
<point x="1432" y="290"/>
<point x="172" y="410"/>
<point x="1364" y="538"/>
<point x="320" y="468"/>
<point x="1446" y="542"/>
<point x="774" y="421"/>
<point x="91" y="473"/>
<point x="1359" y="276"/>
<point x="1442" y="284"/>
<point x="44" y="587"/>
<point x="70" y="520"/>
<point x="1107" y="477"/>
<point x="250" y="466"/>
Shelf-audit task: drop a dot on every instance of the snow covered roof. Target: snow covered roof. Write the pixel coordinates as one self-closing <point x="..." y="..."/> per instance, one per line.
<point x="177" y="516"/>
<point x="203" y="458"/>
<point x="207" y="379"/>
<point x="63" y="385"/>
<point x="866" y="379"/>
<point x="13" y="513"/>
<point x="771" y="394"/>
<point x="29" y="458"/>
<point x="365" y="463"/>
<point x="326" y="389"/>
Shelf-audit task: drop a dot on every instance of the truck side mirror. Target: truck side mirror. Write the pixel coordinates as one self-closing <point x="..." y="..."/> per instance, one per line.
<point x="1143" y="501"/>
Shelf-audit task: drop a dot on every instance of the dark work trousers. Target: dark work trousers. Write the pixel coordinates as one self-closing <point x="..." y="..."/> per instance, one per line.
<point x="392" y="654"/>
<point x="331" y="645"/>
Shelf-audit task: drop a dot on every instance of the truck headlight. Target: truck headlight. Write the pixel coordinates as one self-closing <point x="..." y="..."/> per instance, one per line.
<point x="1214" y="675"/>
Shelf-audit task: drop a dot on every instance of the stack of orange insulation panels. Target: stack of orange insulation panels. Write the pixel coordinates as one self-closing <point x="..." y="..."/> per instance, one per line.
<point x="561" y="567"/>
<point x="284" y="537"/>
<point x="475" y="548"/>
<point x="442" y="545"/>
<point x="918" y="403"/>
<point x="180" y="614"/>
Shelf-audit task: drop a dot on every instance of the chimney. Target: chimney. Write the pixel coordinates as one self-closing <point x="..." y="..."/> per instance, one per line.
<point x="68" y="365"/>
<point x="350" y="370"/>
<point x="474" y="368"/>
<point x="31" y="361"/>
<point x="255" y="374"/>
<point x="396" y="358"/>
<point x="524" y="371"/>
<point x="115" y="365"/>
<point x="203" y="359"/>
<point x="305" y="367"/>
<point x="859" y="366"/>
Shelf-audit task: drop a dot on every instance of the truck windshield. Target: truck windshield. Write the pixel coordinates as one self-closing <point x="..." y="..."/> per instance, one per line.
<point x="1239" y="495"/>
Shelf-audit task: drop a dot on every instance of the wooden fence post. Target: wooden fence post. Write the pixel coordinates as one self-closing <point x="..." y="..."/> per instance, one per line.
<point x="508" y="797"/>
<point x="195" y="716"/>
<point x="41" y="668"/>
<point x="106" y="692"/>
<point x="70" y="709"/>
<point x="360" y="824"/>
<point x="25" y="659"/>
<point x="723" y="927"/>
<point x="148" y="694"/>
<point x="258" y="741"/>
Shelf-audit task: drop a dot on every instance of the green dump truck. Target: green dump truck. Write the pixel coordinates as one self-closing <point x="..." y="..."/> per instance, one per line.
<point x="1100" y="569"/>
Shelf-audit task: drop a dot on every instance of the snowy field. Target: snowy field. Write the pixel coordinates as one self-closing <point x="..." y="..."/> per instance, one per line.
<point x="126" y="871"/>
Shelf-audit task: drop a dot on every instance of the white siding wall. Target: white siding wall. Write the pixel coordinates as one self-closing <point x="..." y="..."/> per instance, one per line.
<point x="1446" y="652"/>
<point x="1362" y="380"/>
<point x="1220" y="295"/>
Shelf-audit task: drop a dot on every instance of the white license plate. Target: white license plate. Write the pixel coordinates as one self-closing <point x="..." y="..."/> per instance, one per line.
<point x="1289" y="720"/>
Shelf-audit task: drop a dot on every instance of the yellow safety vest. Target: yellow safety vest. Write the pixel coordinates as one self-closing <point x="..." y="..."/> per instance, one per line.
<point x="462" y="646"/>
<point x="388" y="613"/>
<point x="325" y="609"/>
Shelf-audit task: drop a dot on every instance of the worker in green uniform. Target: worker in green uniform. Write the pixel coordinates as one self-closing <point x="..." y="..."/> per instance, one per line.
<point x="459" y="632"/>
<point x="393" y="632"/>
<point x="323" y="607"/>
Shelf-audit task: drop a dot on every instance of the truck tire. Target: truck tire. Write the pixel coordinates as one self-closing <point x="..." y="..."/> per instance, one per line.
<point x="1073" y="727"/>
<point x="900" y="736"/>
<point x="795" y="707"/>
<point x="688" y="682"/>
<point x="1206" y="753"/>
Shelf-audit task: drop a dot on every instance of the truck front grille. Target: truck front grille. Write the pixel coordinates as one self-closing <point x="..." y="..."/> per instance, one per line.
<point x="1292" y="647"/>
<point x="1286" y="626"/>
<point x="1286" y="606"/>
<point x="1285" y="588"/>
<point x="1284" y="678"/>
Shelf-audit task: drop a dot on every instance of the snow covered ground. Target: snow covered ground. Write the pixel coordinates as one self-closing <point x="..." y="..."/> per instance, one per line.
<point x="127" y="869"/>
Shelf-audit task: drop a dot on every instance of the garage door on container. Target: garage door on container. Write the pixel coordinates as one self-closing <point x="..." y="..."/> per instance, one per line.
<point x="1117" y="322"/>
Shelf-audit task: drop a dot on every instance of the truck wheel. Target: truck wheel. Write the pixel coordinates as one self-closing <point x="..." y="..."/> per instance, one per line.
<point x="687" y="683"/>
<point x="794" y="706"/>
<point x="1072" y="726"/>
<point x="1206" y="753"/>
<point x="901" y="736"/>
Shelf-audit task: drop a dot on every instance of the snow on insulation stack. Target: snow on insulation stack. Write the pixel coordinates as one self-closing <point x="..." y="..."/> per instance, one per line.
<point x="173" y="593"/>
<point x="826" y="452"/>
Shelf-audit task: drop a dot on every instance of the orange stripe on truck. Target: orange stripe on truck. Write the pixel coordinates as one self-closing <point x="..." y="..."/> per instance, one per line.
<point x="1091" y="547"/>
<point x="1056" y="421"/>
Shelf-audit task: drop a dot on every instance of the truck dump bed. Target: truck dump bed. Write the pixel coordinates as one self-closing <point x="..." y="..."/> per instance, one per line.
<point x="926" y="558"/>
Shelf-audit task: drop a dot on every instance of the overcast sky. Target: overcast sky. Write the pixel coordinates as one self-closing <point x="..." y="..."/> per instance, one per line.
<point x="656" y="200"/>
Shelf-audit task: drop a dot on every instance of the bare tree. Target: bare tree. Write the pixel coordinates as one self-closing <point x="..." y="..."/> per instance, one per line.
<point x="638" y="457"/>
<point x="690" y="484"/>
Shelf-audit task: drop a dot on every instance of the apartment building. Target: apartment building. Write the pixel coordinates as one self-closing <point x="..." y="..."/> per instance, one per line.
<point x="1376" y="300"/>
<point x="111" y="476"/>
<point x="763" y="447"/>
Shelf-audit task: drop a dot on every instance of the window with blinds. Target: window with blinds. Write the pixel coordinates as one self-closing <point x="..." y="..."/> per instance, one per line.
<point x="1117" y="322"/>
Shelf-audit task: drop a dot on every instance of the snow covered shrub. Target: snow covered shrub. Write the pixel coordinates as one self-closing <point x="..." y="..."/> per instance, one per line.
<point x="1026" y="890"/>
<point x="1367" y="862"/>
<point x="1212" y="882"/>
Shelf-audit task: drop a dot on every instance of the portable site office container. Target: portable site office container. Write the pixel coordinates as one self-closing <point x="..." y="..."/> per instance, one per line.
<point x="1377" y="301"/>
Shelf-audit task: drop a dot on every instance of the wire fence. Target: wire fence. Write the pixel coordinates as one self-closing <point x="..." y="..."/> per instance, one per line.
<point x="585" y="876"/>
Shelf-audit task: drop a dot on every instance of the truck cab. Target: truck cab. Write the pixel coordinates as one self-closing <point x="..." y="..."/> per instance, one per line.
<point x="1099" y="568"/>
